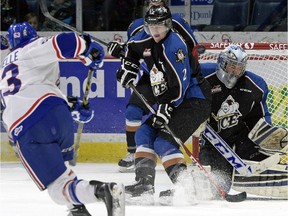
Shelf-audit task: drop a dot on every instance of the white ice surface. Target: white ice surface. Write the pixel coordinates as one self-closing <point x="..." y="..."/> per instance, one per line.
<point x="19" y="196"/>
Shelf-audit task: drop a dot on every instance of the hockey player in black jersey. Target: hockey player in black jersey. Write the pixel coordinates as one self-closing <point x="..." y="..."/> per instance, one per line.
<point x="134" y="113"/>
<point x="182" y="97"/>
<point x="238" y="103"/>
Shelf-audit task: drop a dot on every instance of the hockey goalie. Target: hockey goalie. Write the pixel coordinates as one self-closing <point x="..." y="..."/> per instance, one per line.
<point x="240" y="117"/>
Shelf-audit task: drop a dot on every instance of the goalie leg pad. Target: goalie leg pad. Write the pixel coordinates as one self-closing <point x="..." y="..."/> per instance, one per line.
<point x="272" y="183"/>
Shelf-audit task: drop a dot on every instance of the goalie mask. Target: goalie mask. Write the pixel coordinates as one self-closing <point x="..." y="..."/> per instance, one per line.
<point x="20" y="34"/>
<point x="158" y="22"/>
<point x="231" y="65"/>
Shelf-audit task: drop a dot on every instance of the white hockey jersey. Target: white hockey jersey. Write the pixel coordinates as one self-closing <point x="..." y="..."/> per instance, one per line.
<point x="30" y="78"/>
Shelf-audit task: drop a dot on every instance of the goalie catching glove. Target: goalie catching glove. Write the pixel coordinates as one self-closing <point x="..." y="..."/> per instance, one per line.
<point x="162" y="116"/>
<point x="268" y="137"/>
<point x="128" y="72"/>
<point x="116" y="49"/>
<point x="94" y="54"/>
<point x="80" y="113"/>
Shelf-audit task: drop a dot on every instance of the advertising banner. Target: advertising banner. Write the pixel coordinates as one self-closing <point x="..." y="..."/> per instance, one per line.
<point x="201" y="10"/>
<point x="107" y="97"/>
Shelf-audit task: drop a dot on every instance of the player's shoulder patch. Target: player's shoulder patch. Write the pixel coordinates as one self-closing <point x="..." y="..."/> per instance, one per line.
<point x="180" y="56"/>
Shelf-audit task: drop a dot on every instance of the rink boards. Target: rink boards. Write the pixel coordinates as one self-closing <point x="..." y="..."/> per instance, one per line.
<point x="103" y="138"/>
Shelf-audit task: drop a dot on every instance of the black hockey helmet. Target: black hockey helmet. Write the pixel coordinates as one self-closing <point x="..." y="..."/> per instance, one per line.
<point x="157" y="15"/>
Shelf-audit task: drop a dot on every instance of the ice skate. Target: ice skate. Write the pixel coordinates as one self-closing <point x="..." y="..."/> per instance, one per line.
<point x="113" y="196"/>
<point x="183" y="192"/>
<point x="127" y="164"/>
<point x="79" y="210"/>
<point x="140" y="193"/>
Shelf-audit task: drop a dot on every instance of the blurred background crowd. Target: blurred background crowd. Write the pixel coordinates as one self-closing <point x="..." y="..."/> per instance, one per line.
<point x="116" y="15"/>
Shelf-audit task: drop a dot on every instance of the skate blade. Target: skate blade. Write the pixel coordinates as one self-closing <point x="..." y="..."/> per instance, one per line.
<point x="118" y="194"/>
<point x="130" y="169"/>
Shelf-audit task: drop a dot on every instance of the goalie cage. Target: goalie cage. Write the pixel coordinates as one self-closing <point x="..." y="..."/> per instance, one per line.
<point x="269" y="60"/>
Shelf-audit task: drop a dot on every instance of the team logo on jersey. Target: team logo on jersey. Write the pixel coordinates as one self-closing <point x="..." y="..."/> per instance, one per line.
<point x="147" y="52"/>
<point x="18" y="130"/>
<point x="228" y="114"/>
<point x="158" y="82"/>
<point x="180" y="56"/>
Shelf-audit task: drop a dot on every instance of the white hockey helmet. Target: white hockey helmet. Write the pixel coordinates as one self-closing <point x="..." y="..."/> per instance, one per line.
<point x="232" y="63"/>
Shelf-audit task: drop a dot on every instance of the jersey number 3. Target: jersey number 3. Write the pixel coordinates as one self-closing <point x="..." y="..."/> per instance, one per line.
<point x="10" y="73"/>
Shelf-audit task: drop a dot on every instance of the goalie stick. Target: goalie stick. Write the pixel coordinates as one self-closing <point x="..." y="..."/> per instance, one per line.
<point x="228" y="197"/>
<point x="44" y="9"/>
<point x="229" y="154"/>
<point x="80" y="125"/>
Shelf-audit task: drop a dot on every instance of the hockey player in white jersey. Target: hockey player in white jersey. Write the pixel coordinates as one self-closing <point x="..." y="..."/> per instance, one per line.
<point x="38" y="119"/>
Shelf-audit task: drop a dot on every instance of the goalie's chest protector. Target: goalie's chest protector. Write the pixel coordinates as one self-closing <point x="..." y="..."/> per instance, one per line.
<point x="231" y="108"/>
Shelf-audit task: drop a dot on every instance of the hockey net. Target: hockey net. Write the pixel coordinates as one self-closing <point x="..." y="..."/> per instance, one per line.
<point x="268" y="60"/>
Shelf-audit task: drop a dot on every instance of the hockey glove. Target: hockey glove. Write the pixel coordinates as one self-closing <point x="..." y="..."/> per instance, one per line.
<point x="116" y="49"/>
<point x="163" y="115"/>
<point x="94" y="53"/>
<point x="80" y="113"/>
<point x="128" y="72"/>
<point x="267" y="136"/>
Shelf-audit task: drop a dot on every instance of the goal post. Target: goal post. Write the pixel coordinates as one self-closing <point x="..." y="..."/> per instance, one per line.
<point x="268" y="60"/>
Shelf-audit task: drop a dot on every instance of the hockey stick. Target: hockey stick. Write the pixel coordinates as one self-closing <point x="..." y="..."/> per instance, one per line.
<point x="80" y="125"/>
<point x="229" y="197"/>
<point x="44" y="9"/>
<point x="229" y="154"/>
